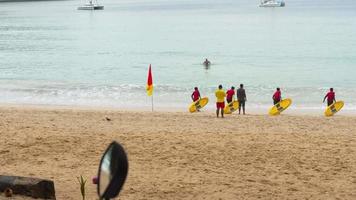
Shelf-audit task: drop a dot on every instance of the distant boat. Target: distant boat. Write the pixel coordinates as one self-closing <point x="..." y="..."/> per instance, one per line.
<point x="91" y="5"/>
<point x="272" y="3"/>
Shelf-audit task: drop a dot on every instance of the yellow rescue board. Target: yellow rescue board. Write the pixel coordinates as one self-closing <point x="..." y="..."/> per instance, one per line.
<point x="197" y="105"/>
<point x="280" y="107"/>
<point x="231" y="107"/>
<point x="333" y="108"/>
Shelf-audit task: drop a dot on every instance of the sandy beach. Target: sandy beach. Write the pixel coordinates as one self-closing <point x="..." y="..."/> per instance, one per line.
<point x="176" y="155"/>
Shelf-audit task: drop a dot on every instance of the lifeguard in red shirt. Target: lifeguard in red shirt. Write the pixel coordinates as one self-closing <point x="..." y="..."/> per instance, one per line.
<point x="330" y="96"/>
<point x="277" y="96"/>
<point x="196" y="94"/>
<point x="230" y="95"/>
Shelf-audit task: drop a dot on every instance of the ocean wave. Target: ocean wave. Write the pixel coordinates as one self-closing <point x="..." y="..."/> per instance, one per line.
<point x="126" y="95"/>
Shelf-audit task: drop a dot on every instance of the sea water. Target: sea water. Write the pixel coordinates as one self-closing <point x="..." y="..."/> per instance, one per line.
<point x="53" y="54"/>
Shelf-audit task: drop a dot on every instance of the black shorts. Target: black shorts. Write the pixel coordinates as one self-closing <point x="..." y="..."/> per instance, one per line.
<point x="330" y="102"/>
<point x="242" y="103"/>
<point x="276" y="101"/>
<point x="228" y="101"/>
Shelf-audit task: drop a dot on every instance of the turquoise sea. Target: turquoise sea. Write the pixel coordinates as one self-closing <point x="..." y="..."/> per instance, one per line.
<point x="53" y="54"/>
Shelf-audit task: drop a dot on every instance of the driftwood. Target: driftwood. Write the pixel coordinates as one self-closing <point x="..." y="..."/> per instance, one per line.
<point x="33" y="187"/>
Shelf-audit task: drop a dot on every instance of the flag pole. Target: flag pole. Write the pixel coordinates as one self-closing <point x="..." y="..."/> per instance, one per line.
<point x="152" y="102"/>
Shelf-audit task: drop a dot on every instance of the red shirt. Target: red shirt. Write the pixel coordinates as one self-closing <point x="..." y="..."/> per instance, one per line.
<point x="277" y="96"/>
<point x="330" y="96"/>
<point x="229" y="94"/>
<point x="196" y="95"/>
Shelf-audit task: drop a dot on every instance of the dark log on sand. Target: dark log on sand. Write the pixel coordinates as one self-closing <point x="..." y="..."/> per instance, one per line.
<point x="33" y="187"/>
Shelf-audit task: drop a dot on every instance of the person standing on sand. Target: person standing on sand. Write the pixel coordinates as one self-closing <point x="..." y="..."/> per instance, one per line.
<point x="330" y="96"/>
<point x="220" y="101"/>
<point x="195" y="95"/>
<point x="241" y="97"/>
<point x="277" y="96"/>
<point x="230" y="94"/>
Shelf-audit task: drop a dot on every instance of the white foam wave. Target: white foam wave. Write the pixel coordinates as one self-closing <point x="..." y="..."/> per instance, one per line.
<point x="131" y="95"/>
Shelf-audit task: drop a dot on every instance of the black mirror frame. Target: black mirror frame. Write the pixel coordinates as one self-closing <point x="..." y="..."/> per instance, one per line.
<point x="119" y="177"/>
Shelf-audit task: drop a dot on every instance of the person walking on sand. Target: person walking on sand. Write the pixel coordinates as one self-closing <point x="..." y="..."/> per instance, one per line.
<point x="330" y="96"/>
<point x="277" y="96"/>
<point x="195" y="95"/>
<point x="241" y="97"/>
<point x="220" y="101"/>
<point x="230" y="95"/>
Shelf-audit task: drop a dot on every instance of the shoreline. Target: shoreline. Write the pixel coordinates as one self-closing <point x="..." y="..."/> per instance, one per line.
<point x="208" y="110"/>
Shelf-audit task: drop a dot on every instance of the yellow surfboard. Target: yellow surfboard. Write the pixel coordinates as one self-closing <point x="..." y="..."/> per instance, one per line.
<point x="333" y="108"/>
<point x="231" y="107"/>
<point x="280" y="107"/>
<point x="197" y="105"/>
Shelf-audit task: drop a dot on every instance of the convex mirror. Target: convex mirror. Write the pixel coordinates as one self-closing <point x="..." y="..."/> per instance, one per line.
<point x="112" y="172"/>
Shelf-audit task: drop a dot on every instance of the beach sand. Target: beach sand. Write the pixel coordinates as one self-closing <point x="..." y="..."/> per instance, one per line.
<point x="176" y="155"/>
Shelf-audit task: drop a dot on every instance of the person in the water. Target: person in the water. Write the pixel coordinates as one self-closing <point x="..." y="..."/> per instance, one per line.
<point x="206" y="62"/>
<point x="330" y="96"/>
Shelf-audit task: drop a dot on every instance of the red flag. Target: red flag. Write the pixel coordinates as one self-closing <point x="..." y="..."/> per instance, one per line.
<point x="149" y="87"/>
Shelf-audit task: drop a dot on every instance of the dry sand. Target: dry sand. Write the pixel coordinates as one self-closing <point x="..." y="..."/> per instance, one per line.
<point x="185" y="156"/>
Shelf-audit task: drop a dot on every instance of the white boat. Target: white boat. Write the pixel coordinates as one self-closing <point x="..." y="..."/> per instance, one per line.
<point x="91" y="6"/>
<point x="272" y="3"/>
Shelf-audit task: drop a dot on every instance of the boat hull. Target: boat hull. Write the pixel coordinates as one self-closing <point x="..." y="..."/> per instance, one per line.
<point x="272" y="4"/>
<point x="91" y="7"/>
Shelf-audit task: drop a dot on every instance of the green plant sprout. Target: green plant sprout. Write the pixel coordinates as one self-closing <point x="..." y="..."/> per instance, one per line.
<point x="82" y="183"/>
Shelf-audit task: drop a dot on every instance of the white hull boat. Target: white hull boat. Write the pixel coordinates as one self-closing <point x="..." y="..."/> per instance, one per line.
<point x="91" y="6"/>
<point x="272" y="3"/>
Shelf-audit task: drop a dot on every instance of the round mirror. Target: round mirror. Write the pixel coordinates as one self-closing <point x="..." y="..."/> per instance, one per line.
<point x="113" y="170"/>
